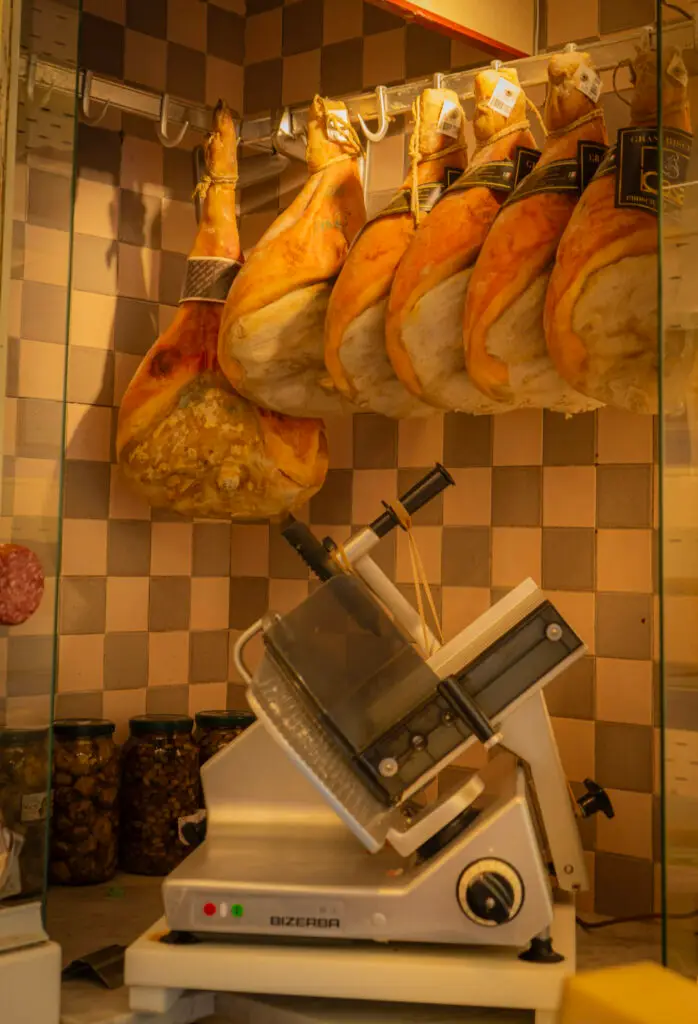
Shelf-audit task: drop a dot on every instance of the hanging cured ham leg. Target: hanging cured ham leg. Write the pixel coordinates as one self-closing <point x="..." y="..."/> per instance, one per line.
<point x="272" y="336"/>
<point x="186" y="440"/>
<point x="505" y="348"/>
<point x="602" y="303"/>
<point x="355" y="329"/>
<point x="424" y="329"/>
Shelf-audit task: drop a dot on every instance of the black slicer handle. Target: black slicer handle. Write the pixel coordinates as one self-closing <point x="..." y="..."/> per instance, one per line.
<point x="418" y="495"/>
<point x="305" y="543"/>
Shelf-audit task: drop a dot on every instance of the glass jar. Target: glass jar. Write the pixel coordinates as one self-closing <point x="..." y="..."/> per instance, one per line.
<point x="216" y="729"/>
<point x="160" y="784"/>
<point x="85" y="817"/>
<point x="24" y="758"/>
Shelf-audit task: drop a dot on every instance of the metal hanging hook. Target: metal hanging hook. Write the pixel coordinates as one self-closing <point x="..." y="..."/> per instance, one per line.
<point x="32" y="68"/>
<point x="383" y="119"/>
<point x="439" y="80"/>
<point x="87" y="102"/>
<point x="161" y="129"/>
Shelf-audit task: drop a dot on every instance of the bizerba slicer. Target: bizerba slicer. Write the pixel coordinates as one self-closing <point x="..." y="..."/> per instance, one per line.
<point x="321" y="823"/>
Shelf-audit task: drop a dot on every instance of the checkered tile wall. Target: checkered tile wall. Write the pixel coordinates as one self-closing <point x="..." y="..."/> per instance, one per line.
<point x="150" y="604"/>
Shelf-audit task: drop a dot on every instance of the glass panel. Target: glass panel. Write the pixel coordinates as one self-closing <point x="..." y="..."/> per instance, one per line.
<point x="678" y="486"/>
<point x="38" y="150"/>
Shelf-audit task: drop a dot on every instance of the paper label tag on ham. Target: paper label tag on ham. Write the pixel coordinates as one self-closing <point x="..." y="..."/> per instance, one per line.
<point x="637" y="167"/>
<point x="336" y="134"/>
<point x="450" y="119"/>
<point x="676" y="69"/>
<point x="504" y="97"/>
<point x="208" y="279"/>
<point x="588" y="82"/>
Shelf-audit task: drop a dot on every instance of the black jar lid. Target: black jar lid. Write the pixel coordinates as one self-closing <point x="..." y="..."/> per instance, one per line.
<point x="144" y="725"/>
<point x="11" y="736"/>
<point x="225" y="719"/>
<point x="73" y="728"/>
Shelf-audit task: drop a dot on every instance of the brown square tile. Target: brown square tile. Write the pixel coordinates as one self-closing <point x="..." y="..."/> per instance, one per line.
<point x="624" y="497"/>
<point x="586" y="826"/>
<point x="39" y="429"/>
<point x="630" y="832"/>
<point x="208" y="657"/>
<point x="99" y="152"/>
<point x="425" y="51"/>
<point x="568" y="558"/>
<point x="429" y="542"/>
<point x="78" y="705"/>
<point x="332" y="505"/>
<point x="385" y="555"/>
<point x="83" y="604"/>
<point x="516" y="555"/>
<point x="624" y="756"/>
<point x="384" y="58"/>
<point x="569" y="441"/>
<point x="249" y="549"/>
<point x="101" y="46"/>
<point x="342" y="67"/>
<point x="128" y="548"/>
<point x="618" y="15"/>
<point x="575" y="740"/>
<point x="144" y="61"/>
<point x="136" y="323"/>
<point x="302" y="26"/>
<point x="249" y="600"/>
<point x="376" y="19"/>
<point x="29" y="665"/>
<point x="460" y="606"/>
<point x="569" y="496"/>
<point x="237" y="697"/>
<point x="169" y="603"/>
<point x="86" y="490"/>
<point x="623" y="885"/>
<point x="140" y="219"/>
<point x="225" y="35"/>
<point x="44" y="312"/>
<point x="172" y="271"/>
<point x="211" y="549"/>
<point x="518" y="438"/>
<point x="624" y="437"/>
<point x="467" y="440"/>
<point x="301" y="77"/>
<point x="432" y="514"/>
<point x="285" y="595"/>
<point x="516" y="496"/>
<point x="125" y="661"/>
<point x="150" y="18"/>
<point x="263" y="85"/>
<point x="94" y="264"/>
<point x="284" y="562"/>
<point x="624" y="560"/>
<point x="571" y="694"/>
<point x="624" y="626"/>
<point x="263" y="36"/>
<point x="186" y="73"/>
<point x="342" y="21"/>
<point x="177" y="173"/>
<point x="375" y="443"/>
<point x="167" y="700"/>
<point x="49" y="200"/>
<point x="465" y="558"/>
<point x="370" y="487"/>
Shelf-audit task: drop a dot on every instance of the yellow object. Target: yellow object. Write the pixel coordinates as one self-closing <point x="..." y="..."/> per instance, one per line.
<point x="643" y="993"/>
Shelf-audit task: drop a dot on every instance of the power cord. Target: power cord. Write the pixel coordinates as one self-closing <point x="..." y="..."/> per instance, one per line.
<point x="592" y="926"/>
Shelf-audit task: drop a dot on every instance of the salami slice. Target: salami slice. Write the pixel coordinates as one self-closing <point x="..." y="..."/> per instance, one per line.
<point x="21" y="584"/>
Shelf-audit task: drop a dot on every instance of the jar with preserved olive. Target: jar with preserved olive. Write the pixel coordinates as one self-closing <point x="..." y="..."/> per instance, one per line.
<point x="24" y="791"/>
<point x="160" y="784"/>
<point x="85" y="815"/>
<point x="216" y="729"/>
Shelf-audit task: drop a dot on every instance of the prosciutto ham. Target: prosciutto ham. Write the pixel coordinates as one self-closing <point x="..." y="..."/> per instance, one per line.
<point x="505" y="348"/>
<point x="424" y="329"/>
<point x="186" y="440"/>
<point x="355" y="351"/>
<point x="601" y="313"/>
<point x="271" y="344"/>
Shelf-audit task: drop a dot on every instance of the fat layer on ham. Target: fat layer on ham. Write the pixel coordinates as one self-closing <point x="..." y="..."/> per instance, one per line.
<point x="503" y="332"/>
<point x="271" y="344"/>
<point x="186" y="439"/>
<point x="601" y="314"/>
<point x="424" y="332"/>
<point x="355" y="351"/>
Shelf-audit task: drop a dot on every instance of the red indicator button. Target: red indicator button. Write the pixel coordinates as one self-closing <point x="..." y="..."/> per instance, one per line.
<point x="209" y="909"/>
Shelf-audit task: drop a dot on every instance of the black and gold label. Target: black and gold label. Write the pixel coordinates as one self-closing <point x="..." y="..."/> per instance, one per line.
<point x="637" y="171"/>
<point x="496" y="174"/>
<point x="558" y="176"/>
<point x="525" y="160"/>
<point x="402" y="201"/>
<point x="590" y="156"/>
<point x="208" y="279"/>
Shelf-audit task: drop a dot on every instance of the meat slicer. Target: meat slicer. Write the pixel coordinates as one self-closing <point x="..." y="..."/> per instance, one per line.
<point x="324" y="833"/>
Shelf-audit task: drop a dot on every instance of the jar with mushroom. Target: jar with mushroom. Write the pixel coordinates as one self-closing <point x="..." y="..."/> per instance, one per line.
<point x="216" y="729"/>
<point x="24" y="778"/>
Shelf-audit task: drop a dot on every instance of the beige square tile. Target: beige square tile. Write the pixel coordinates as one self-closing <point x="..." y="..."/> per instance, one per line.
<point x="41" y="370"/>
<point x="285" y="595"/>
<point x="578" y="610"/>
<point x="178" y="225"/>
<point x="680" y="632"/>
<point x="370" y="487"/>
<point x="249" y="550"/>
<point x="88" y="432"/>
<point x="124" y="503"/>
<point x="9" y="435"/>
<point x="84" y="547"/>
<point x="142" y="166"/>
<point x="124" y="368"/>
<point x="120" y="705"/>
<point x="41" y="622"/>
<point x="36" y="487"/>
<point x="186" y="23"/>
<point x="20" y="188"/>
<point x="624" y="691"/>
<point x="301" y="79"/>
<point x="469" y="503"/>
<point x="460" y="606"/>
<point x="224" y="81"/>
<point x="92" y="320"/>
<point x="572" y="21"/>
<point x="166" y="316"/>
<point x="624" y="560"/>
<point x="14" y="310"/>
<point x="630" y="832"/>
<point x="428" y="540"/>
<point x="516" y="555"/>
<point x="575" y="740"/>
<point x="139" y="272"/>
<point x="263" y="36"/>
<point x="208" y="697"/>
<point x="518" y="438"/>
<point x="168" y="658"/>
<point x="384" y="57"/>
<point x="46" y="255"/>
<point x="96" y="208"/>
<point x="420" y="441"/>
<point x="209" y="602"/>
<point x="569" y="496"/>
<point x="340" y="441"/>
<point x="127" y="604"/>
<point x="80" y="663"/>
<point x="342" y="20"/>
<point x="624" y="437"/>
<point x="387" y="174"/>
<point x="90" y="376"/>
<point x="171" y="547"/>
<point x="145" y="59"/>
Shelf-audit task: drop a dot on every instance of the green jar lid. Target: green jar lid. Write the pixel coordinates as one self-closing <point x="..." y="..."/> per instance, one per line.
<point x="225" y="719"/>
<point x="144" y="725"/>
<point x="72" y="728"/>
<point x="12" y="737"/>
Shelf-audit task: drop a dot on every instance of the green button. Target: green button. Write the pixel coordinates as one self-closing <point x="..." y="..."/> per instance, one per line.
<point x="236" y="910"/>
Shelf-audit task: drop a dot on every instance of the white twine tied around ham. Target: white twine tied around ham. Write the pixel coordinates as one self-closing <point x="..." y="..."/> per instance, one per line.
<point x="207" y="180"/>
<point x="418" y="158"/>
<point x="511" y="129"/>
<point x="341" y="127"/>
<point x="593" y="115"/>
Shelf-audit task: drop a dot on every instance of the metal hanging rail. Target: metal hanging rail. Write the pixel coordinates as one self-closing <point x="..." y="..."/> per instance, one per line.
<point x="97" y="94"/>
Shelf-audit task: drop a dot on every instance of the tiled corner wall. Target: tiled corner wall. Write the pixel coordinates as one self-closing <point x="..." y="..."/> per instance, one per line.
<point x="150" y="604"/>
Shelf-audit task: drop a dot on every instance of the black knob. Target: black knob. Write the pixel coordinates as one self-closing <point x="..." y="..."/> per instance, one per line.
<point x="490" y="898"/>
<point x="594" y="800"/>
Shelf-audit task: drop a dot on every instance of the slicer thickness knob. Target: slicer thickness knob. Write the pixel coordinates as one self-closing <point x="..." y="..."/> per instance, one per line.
<point x="490" y="892"/>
